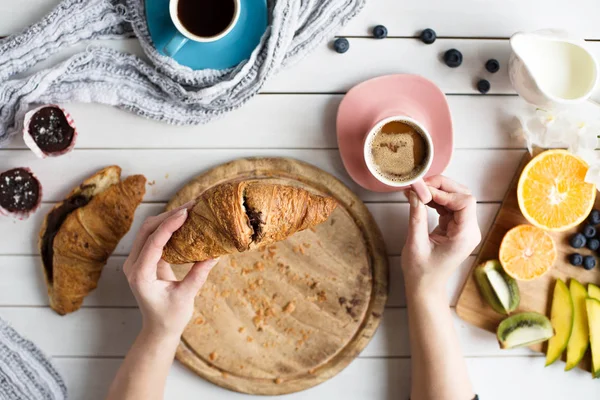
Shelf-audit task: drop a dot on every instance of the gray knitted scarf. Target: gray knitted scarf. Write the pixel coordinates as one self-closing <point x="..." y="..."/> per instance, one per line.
<point x="163" y="90"/>
<point x="25" y="374"/>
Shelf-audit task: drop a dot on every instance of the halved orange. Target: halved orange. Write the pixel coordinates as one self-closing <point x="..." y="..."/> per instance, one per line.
<point x="552" y="192"/>
<point x="527" y="252"/>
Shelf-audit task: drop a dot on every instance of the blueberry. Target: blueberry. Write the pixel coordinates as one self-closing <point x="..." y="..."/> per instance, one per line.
<point x="576" y="259"/>
<point x="492" y="65"/>
<point x="578" y="240"/>
<point x="589" y="231"/>
<point x="453" y="58"/>
<point x="380" y="32"/>
<point x="593" y="244"/>
<point x="428" y="36"/>
<point x="594" y="217"/>
<point x="483" y="86"/>
<point x="341" y="45"/>
<point x="589" y="262"/>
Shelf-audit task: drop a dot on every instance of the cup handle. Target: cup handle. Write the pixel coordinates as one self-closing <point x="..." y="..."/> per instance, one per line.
<point x="420" y="188"/>
<point x="175" y="44"/>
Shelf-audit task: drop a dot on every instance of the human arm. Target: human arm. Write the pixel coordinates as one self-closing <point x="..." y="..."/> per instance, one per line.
<point x="166" y="306"/>
<point x="439" y="371"/>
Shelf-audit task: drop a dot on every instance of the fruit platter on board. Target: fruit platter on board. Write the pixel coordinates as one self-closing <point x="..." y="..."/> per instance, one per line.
<point x="535" y="281"/>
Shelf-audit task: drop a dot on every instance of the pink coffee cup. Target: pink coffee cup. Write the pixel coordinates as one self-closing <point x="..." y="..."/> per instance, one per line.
<point x="416" y="183"/>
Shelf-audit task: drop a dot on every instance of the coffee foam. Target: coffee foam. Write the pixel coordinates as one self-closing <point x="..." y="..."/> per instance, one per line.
<point x="398" y="151"/>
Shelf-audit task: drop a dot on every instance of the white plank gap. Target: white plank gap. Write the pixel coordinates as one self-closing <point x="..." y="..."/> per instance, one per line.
<point x="109" y="332"/>
<point x="284" y="121"/>
<point x="477" y="18"/>
<point x="391" y="218"/>
<point x="384" y="379"/>
<point x="486" y="172"/>
<point x="458" y="18"/>
<point x="23" y="283"/>
<point x="325" y="71"/>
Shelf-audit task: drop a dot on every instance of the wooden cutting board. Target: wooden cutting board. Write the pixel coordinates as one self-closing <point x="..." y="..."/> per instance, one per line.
<point x="536" y="295"/>
<point x="292" y="315"/>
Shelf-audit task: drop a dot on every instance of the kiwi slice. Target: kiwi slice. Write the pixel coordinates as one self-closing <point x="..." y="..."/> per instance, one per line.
<point x="498" y="289"/>
<point x="524" y="329"/>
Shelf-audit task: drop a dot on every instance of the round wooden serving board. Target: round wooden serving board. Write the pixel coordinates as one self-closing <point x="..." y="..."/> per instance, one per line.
<point x="290" y="316"/>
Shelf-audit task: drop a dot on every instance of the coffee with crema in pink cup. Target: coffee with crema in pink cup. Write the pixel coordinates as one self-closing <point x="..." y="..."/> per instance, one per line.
<point x="398" y="151"/>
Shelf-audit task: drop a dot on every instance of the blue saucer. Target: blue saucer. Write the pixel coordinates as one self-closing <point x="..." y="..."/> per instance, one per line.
<point x="224" y="53"/>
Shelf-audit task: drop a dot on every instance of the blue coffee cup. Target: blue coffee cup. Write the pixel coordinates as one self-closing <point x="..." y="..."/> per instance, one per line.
<point x="183" y="35"/>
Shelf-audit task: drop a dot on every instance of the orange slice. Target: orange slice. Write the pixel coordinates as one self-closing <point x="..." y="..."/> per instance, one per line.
<point x="552" y="192"/>
<point x="527" y="252"/>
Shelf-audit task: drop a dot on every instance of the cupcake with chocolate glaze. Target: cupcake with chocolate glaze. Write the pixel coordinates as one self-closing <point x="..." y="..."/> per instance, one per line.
<point x="20" y="193"/>
<point x="49" y="131"/>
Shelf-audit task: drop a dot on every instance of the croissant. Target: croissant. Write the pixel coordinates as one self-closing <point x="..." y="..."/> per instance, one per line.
<point x="235" y="217"/>
<point x="80" y="233"/>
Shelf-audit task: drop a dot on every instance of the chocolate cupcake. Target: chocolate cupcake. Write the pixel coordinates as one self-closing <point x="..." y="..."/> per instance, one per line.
<point x="20" y="193"/>
<point x="49" y="131"/>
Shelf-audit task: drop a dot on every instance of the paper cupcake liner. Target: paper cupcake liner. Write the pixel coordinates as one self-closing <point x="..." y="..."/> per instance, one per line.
<point x="28" y="139"/>
<point x="22" y="215"/>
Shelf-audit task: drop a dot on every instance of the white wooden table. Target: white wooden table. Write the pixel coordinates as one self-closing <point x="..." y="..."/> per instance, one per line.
<point x="295" y="117"/>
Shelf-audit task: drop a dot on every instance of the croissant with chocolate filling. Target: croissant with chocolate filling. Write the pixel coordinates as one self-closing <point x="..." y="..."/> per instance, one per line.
<point x="235" y="217"/>
<point x="80" y="233"/>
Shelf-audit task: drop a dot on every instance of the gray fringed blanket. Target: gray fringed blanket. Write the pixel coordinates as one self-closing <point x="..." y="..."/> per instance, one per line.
<point x="25" y="374"/>
<point x="163" y="90"/>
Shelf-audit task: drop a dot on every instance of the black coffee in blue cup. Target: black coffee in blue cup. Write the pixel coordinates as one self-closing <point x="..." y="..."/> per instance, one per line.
<point x="201" y="21"/>
<point x="206" y="18"/>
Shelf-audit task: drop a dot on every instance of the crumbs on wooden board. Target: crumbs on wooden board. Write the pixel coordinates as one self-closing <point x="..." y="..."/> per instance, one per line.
<point x="289" y="307"/>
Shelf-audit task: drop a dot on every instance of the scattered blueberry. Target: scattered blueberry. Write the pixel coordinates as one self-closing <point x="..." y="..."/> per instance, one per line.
<point x="576" y="259"/>
<point x="428" y="36"/>
<point x="492" y="65"/>
<point x="483" y="86"/>
<point x="453" y="58"/>
<point x="341" y="45"/>
<point x="589" y="262"/>
<point x="594" y="217"/>
<point x="577" y="241"/>
<point x="380" y="32"/>
<point x="589" y="231"/>
<point x="593" y="244"/>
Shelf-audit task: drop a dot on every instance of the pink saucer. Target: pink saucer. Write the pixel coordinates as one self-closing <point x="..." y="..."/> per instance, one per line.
<point x="373" y="100"/>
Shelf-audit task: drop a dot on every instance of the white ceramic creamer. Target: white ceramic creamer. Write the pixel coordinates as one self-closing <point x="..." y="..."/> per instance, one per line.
<point x="549" y="68"/>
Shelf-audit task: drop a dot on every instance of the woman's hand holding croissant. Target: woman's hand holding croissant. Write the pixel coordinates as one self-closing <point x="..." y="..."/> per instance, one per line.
<point x="166" y="303"/>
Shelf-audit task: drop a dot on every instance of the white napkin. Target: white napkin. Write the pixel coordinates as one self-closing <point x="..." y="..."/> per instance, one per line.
<point x="574" y="128"/>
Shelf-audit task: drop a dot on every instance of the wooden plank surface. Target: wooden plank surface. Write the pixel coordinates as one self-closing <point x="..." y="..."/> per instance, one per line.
<point x="479" y="18"/>
<point x="387" y="379"/>
<point x="23" y="284"/>
<point x="391" y="217"/>
<point x="295" y="117"/>
<point x="168" y="170"/>
<point x="326" y="71"/>
<point x="283" y="121"/>
<point x="109" y="332"/>
<point x="464" y="18"/>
